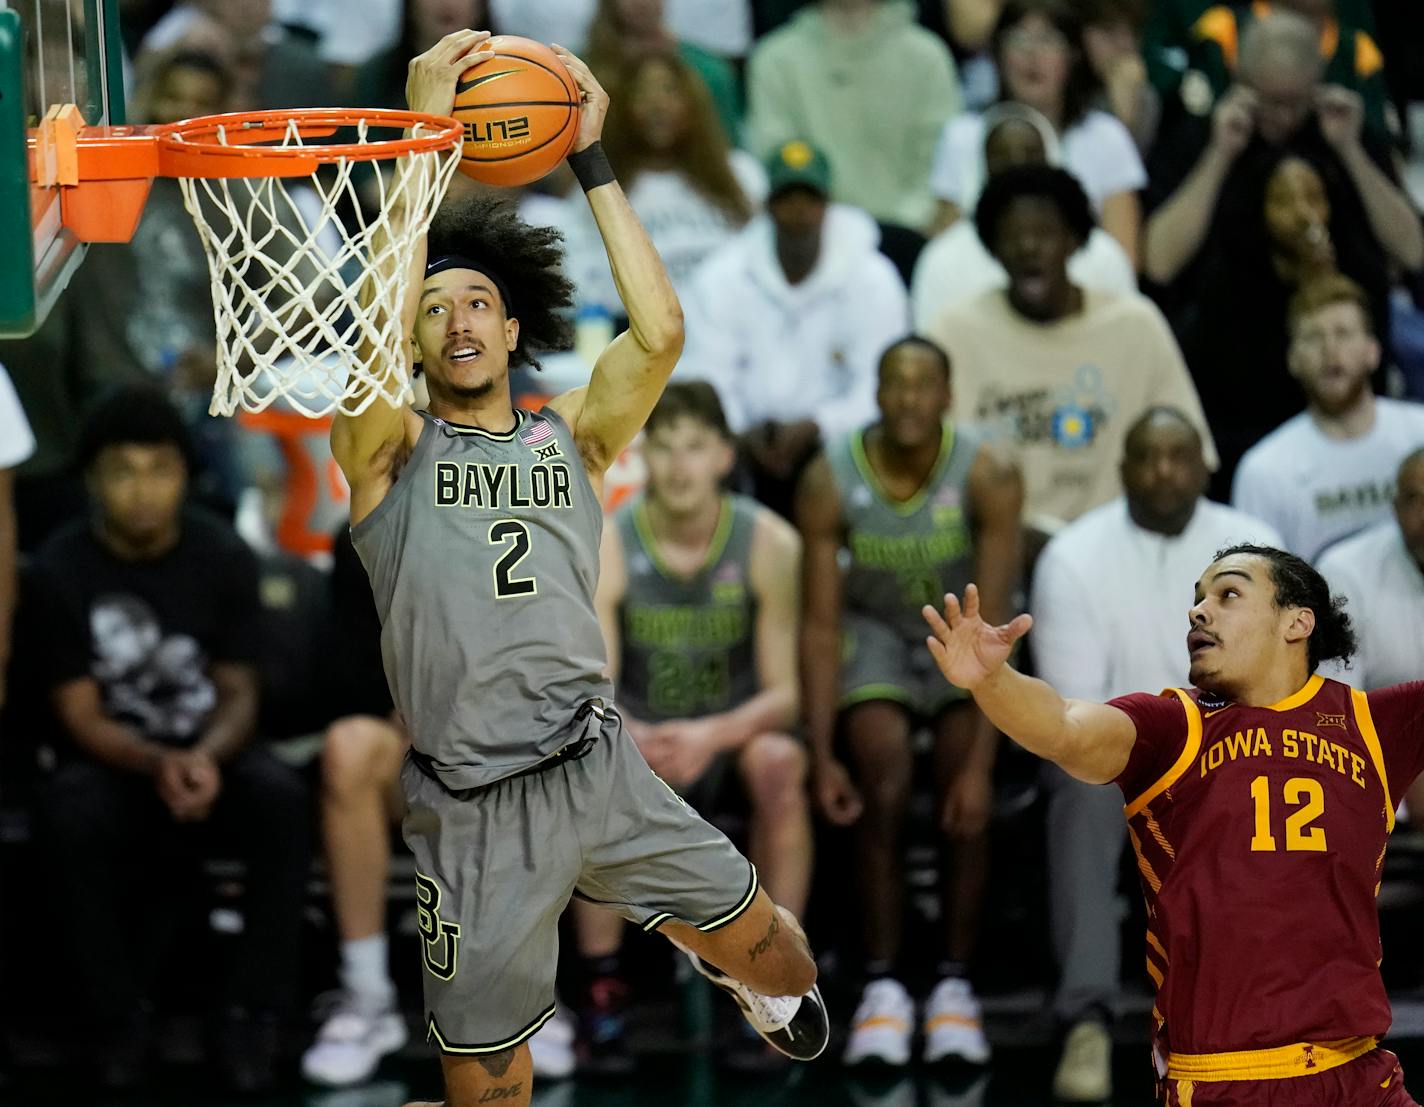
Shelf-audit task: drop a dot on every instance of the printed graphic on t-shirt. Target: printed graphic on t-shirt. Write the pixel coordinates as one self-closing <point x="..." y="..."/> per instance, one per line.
<point x="1071" y="417"/>
<point x="158" y="683"/>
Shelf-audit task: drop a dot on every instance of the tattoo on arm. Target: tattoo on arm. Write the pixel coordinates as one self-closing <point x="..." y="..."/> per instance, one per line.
<point x="764" y="942"/>
<point x="497" y="1064"/>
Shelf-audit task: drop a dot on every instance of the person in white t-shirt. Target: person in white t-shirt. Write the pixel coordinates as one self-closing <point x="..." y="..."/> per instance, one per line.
<point x="1329" y="471"/>
<point x="1038" y="48"/>
<point x="1380" y="572"/>
<point x="956" y="265"/>
<point x="17" y="443"/>
<point x="689" y="188"/>
<point x="1096" y="643"/>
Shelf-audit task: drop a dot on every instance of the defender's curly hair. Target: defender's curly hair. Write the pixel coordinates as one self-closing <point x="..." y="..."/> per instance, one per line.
<point x="527" y="258"/>
<point x="1298" y="584"/>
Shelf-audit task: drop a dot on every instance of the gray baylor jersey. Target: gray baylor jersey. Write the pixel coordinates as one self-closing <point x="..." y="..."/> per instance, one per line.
<point x="483" y="558"/>
<point x="687" y="643"/>
<point x="904" y="555"/>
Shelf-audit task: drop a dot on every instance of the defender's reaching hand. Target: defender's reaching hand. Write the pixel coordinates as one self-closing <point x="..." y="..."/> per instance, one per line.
<point x="965" y="647"/>
<point x="595" y="100"/>
<point x="432" y="77"/>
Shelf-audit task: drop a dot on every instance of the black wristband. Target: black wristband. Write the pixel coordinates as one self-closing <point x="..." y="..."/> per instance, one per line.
<point x="591" y="167"/>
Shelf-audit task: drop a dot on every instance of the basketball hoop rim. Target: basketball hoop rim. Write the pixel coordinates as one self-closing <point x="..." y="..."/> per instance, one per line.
<point x="63" y="151"/>
<point x="189" y="141"/>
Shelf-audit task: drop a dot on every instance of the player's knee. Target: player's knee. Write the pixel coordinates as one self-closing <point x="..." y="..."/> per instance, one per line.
<point x="354" y="755"/>
<point x="775" y="774"/>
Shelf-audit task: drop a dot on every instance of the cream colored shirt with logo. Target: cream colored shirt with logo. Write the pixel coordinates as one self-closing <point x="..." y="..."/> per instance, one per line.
<point x="1060" y="396"/>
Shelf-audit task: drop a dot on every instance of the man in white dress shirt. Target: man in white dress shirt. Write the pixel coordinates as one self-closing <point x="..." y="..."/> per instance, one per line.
<point x="1110" y="593"/>
<point x="1380" y="572"/>
<point x="1328" y="472"/>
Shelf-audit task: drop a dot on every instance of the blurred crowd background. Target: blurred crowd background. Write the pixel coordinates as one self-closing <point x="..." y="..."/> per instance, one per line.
<point x="1171" y="253"/>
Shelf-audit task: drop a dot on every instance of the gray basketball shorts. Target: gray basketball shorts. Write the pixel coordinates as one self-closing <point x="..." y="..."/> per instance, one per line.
<point x="880" y="663"/>
<point x="496" y="866"/>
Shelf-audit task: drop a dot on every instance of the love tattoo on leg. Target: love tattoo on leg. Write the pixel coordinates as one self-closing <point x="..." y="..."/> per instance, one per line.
<point x="764" y="942"/>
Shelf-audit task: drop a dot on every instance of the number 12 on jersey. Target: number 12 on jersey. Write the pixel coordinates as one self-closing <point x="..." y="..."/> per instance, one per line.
<point x="515" y="535"/>
<point x="1300" y="792"/>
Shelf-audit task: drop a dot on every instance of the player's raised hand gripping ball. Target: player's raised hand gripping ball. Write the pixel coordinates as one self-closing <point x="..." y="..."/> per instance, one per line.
<point x="521" y="111"/>
<point x="432" y="76"/>
<point x="965" y="647"/>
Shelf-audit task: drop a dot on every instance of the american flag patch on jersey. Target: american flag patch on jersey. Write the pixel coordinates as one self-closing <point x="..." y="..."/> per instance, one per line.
<point x="537" y="432"/>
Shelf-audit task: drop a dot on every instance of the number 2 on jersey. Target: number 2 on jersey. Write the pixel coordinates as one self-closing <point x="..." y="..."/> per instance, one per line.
<point x="515" y="535"/>
<point x="1301" y="792"/>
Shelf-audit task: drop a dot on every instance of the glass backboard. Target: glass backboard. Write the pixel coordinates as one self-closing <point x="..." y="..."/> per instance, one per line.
<point x="52" y="52"/>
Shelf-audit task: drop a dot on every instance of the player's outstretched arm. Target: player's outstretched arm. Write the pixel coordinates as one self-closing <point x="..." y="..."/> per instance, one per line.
<point x="363" y="444"/>
<point x="1091" y="741"/>
<point x="630" y="374"/>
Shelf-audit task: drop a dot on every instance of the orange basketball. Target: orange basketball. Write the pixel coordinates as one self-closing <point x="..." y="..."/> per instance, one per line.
<point x="520" y="110"/>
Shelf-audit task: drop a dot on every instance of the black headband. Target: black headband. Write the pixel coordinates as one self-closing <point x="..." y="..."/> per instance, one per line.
<point x="460" y="261"/>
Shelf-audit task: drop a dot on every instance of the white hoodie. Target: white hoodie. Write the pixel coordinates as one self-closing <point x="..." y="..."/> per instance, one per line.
<point x="806" y="351"/>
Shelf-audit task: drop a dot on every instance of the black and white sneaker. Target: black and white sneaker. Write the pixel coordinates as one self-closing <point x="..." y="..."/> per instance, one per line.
<point x="795" y="1025"/>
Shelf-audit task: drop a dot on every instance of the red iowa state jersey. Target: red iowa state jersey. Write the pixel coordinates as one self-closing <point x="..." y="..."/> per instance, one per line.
<point x="1260" y="835"/>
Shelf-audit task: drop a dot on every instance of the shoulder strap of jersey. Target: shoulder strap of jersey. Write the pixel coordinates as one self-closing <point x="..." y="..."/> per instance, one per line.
<point x="1190" y="749"/>
<point x="1360" y="701"/>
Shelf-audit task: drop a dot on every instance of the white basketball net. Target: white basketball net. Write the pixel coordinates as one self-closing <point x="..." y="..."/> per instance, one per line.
<point x="308" y="288"/>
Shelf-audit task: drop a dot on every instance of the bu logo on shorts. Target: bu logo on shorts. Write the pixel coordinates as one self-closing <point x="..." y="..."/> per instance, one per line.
<point x="440" y="949"/>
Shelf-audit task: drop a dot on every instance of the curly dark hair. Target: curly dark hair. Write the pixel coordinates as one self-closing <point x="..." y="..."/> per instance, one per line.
<point x="133" y="415"/>
<point x="1046" y="182"/>
<point x="526" y="258"/>
<point x="1298" y="584"/>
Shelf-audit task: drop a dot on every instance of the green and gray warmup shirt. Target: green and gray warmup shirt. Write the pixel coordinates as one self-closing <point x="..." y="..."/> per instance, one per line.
<point x="483" y="558"/>
<point x="687" y="642"/>
<point x="905" y="555"/>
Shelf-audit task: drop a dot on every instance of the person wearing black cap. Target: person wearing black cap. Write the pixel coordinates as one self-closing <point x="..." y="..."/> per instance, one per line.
<point x="479" y="526"/>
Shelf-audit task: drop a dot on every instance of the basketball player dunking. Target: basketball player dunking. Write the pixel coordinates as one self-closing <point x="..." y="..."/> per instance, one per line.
<point x="479" y="526"/>
<point x="1259" y="803"/>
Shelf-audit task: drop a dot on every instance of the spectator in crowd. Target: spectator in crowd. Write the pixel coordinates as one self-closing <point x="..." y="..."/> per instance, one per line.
<point x="1329" y="471"/>
<point x="54" y="381"/>
<point x="1095" y="645"/>
<point x="148" y="302"/>
<point x="624" y="31"/>
<point x="956" y="265"/>
<point x="150" y="620"/>
<point x="1213" y="182"/>
<point x="1347" y="49"/>
<point x="892" y="515"/>
<point x="1056" y="371"/>
<point x="1112" y="39"/>
<point x="270" y="66"/>
<point x="788" y="319"/>
<point x="1172" y="36"/>
<point x="423" y="24"/>
<point x="860" y="80"/>
<point x="1279" y="103"/>
<point x="1380" y="572"/>
<point x="691" y="190"/>
<point x="698" y="598"/>
<point x="1284" y="184"/>
<point x="723" y="27"/>
<point x="1038" y="47"/>
<point x="361" y="756"/>
<point x="17" y="443"/>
